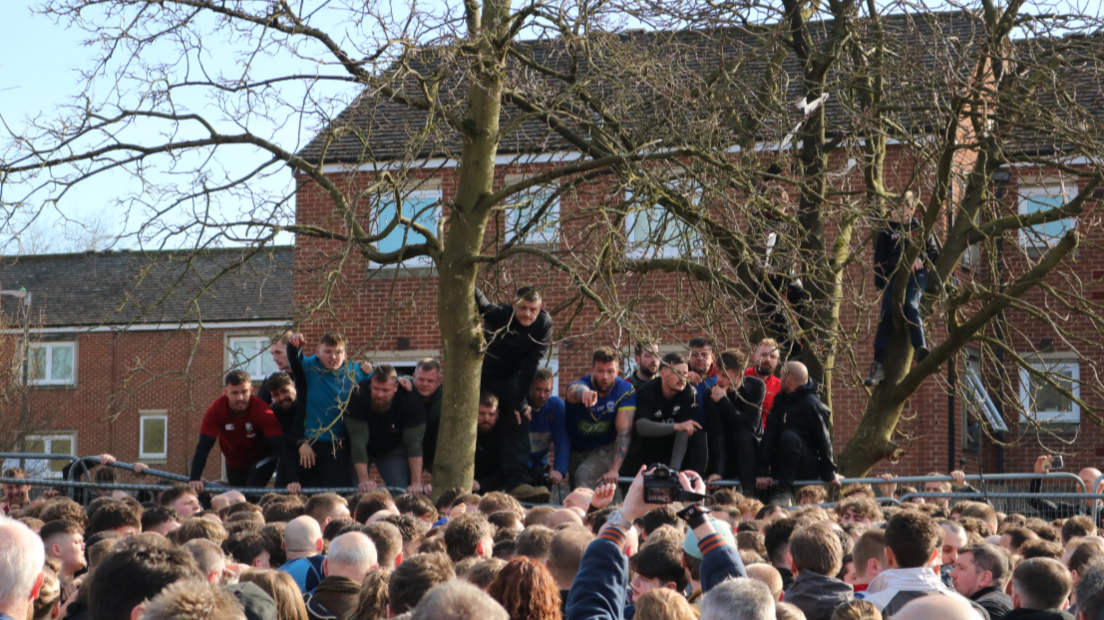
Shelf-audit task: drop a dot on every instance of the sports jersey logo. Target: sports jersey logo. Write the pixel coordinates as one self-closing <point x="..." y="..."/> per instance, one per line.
<point x="593" y="428"/>
<point x="249" y="427"/>
<point x="229" y="427"/>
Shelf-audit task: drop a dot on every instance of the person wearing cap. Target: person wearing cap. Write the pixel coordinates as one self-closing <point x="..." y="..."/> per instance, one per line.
<point x="692" y="558"/>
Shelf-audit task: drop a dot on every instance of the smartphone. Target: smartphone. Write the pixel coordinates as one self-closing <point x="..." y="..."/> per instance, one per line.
<point x="1057" y="462"/>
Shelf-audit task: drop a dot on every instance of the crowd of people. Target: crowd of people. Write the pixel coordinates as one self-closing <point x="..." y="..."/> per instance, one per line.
<point x="191" y="555"/>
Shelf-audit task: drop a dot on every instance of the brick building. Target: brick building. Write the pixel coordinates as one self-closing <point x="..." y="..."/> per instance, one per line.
<point x="128" y="349"/>
<point x="391" y="312"/>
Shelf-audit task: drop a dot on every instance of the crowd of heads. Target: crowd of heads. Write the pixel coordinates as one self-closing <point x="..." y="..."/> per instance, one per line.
<point x="187" y="557"/>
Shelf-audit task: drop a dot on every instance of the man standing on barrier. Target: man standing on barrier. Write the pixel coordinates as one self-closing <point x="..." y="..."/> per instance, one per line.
<point x="386" y="427"/>
<point x="599" y="418"/>
<point x="243" y="425"/>
<point x="797" y="444"/>
<point x="1060" y="510"/>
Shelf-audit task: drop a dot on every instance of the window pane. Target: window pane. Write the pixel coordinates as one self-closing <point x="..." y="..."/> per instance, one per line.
<point x="37" y="363"/>
<point x="61" y="363"/>
<point x="1047" y="398"/>
<point x="267" y="364"/>
<point x="153" y="435"/>
<point x="35" y="445"/>
<point x="243" y="351"/>
<point x="1036" y="200"/>
<point x="528" y="206"/>
<point x="415" y="208"/>
<point x="60" y="445"/>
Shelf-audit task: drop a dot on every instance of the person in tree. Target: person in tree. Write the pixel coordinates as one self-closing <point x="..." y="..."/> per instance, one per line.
<point x="518" y="335"/>
<point x="900" y="231"/>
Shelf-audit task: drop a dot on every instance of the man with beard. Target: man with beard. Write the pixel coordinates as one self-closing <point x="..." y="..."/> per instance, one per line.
<point x="518" y="335"/>
<point x="732" y="408"/>
<point x="598" y="418"/>
<point x="547" y="429"/>
<point x="284" y="399"/>
<point x="664" y="430"/>
<point x="796" y="443"/>
<point x="488" y="463"/>
<point x="386" y="427"/>
<point x="646" y="357"/>
<point x="764" y="361"/>
<point x="243" y="425"/>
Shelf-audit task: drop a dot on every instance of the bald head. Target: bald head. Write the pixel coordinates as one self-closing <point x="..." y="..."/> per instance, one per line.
<point x="942" y="607"/>
<point x="1089" y="475"/>
<point x="796" y="374"/>
<point x="302" y="537"/>
<point x="768" y="575"/>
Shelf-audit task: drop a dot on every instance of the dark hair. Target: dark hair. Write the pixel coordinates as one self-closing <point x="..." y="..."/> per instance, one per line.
<point x="989" y="557"/>
<point x="856" y="609"/>
<point x="1086" y="552"/>
<point x="752" y="541"/>
<point x="604" y="355"/>
<point x="732" y="359"/>
<point x="1040" y="548"/>
<point x="816" y="548"/>
<point x="1090" y="590"/>
<point x="58" y="527"/>
<point x="274" y="539"/>
<point x="481" y="573"/>
<point x="282" y="510"/>
<point x="370" y="503"/>
<point x="244" y="547"/>
<point x="337" y="527"/>
<point x="528" y="293"/>
<point x="870" y="545"/>
<point x="912" y="536"/>
<point x="64" y="508"/>
<point x="673" y="358"/>
<point x="388" y="541"/>
<point x="1042" y="583"/>
<point x="638" y="348"/>
<point x="278" y="380"/>
<point x="237" y="377"/>
<point x="414" y="577"/>
<point x="1018" y="536"/>
<point x="332" y="339"/>
<point x="543" y="376"/>
<point x="777" y="537"/>
<point x="175" y="492"/>
<point x="410" y="527"/>
<point x="128" y="576"/>
<point x="535" y="541"/>
<point x="197" y="527"/>
<point x="464" y="533"/>
<point x="504" y="549"/>
<point x="320" y="504"/>
<point x="429" y="363"/>
<point x="152" y="517"/>
<point x="862" y="506"/>
<point x="112" y="516"/>
<point x="487" y="398"/>
<point x="660" y="560"/>
<point x="1077" y="527"/>
<point x="698" y="342"/>
<point x="496" y="501"/>
<point x="417" y="505"/>
<point x="384" y="373"/>
<point x="654" y="519"/>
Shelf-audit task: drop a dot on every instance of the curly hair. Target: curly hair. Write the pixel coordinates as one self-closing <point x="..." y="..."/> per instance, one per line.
<point x="527" y="590"/>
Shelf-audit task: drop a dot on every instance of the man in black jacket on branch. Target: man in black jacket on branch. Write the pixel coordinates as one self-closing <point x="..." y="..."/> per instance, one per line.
<point x="796" y="444"/>
<point x="518" y="335"/>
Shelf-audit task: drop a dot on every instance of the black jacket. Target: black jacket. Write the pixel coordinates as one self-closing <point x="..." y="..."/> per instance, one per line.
<point x="889" y="246"/>
<point x="802" y="413"/>
<point x="1038" y="614"/>
<point x="652" y="406"/>
<point x="994" y="601"/>
<point x="513" y="351"/>
<point x="736" y="410"/>
<point x="1060" y="510"/>
<point x="817" y="595"/>
<point x="488" y="463"/>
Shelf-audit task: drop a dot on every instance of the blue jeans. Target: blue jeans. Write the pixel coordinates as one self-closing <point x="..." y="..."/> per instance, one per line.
<point x="917" y="282"/>
<point x="394" y="467"/>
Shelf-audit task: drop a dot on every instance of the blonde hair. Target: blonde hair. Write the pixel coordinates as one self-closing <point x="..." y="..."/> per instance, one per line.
<point x="663" y="604"/>
<point x="282" y="588"/>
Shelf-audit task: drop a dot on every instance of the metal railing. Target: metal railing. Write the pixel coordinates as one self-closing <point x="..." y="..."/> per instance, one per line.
<point x="31" y="456"/>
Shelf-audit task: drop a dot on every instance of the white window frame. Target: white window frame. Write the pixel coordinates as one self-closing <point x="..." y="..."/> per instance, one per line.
<point x="417" y="194"/>
<point x="154" y="414"/>
<point x="255" y="365"/>
<point x="40" y="468"/>
<point x="1032" y="238"/>
<point x="1051" y="363"/>
<point x="537" y="195"/>
<point x="553" y="365"/>
<point x="48" y="371"/>
<point x="637" y="249"/>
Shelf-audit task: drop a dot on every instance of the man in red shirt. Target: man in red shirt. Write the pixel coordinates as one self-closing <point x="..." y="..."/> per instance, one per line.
<point x="764" y="361"/>
<point x="248" y="434"/>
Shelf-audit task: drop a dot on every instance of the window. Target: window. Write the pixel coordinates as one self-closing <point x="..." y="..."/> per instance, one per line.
<point x="153" y="434"/>
<point x="57" y="443"/>
<point x="553" y="365"/>
<point x="250" y="353"/>
<point x="977" y="405"/>
<point x="524" y="207"/>
<point x="1041" y="401"/>
<point x="52" y="363"/>
<point x="417" y="205"/>
<point x="656" y="232"/>
<point x="1043" y="198"/>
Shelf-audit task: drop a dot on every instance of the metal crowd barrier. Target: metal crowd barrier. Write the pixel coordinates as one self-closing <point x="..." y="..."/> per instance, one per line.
<point x="253" y="491"/>
<point x="1001" y="495"/>
<point x="31" y="456"/>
